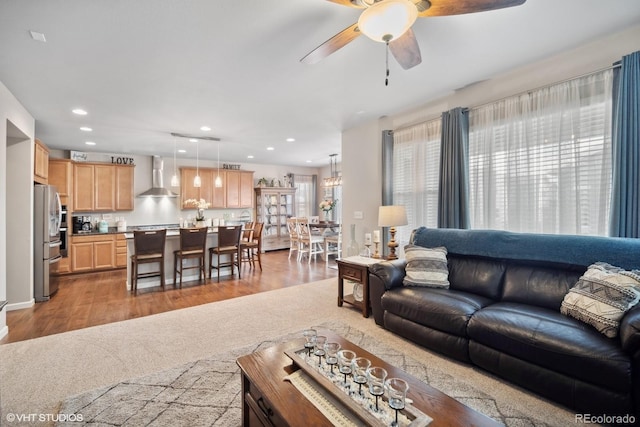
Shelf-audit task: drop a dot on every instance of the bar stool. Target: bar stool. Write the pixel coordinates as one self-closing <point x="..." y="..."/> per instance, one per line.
<point x="254" y="247"/>
<point x="148" y="247"/>
<point x="193" y="242"/>
<point x="228" y="244"/>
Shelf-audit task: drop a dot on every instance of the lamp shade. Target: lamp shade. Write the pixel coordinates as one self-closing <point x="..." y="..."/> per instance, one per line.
<point x="387" y="20"/>
<point x="392" y="216"/>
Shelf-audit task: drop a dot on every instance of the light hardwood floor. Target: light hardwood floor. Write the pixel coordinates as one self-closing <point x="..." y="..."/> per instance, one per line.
<point x="98" y="298"/>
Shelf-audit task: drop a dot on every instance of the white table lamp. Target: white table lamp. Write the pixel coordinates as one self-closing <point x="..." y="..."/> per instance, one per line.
<point x="392" y="216"/>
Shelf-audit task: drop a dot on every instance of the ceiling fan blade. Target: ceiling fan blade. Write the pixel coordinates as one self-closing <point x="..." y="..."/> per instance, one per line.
<point x="334" y="43"/>
<point x="459" y="7"/>
<point x="348" y="3"/>
<point x="406" y="50"/>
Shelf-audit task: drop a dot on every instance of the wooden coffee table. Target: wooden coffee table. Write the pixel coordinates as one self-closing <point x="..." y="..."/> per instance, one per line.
<point x="268" y="400"/>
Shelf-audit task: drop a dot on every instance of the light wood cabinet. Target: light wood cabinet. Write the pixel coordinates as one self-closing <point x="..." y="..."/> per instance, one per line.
<point x="61" y="175"/>
<point x="121" y="251"/>
<point x="239" y="189"/>
<point x="102" y="187"/>
<point x="124" y="188"/>
<point x="236" y="190"/>
<point x="97" y="252"/>
<point x="41" y="163"/>
<point x="64" y="265"/>
<point x="83" y="187"/>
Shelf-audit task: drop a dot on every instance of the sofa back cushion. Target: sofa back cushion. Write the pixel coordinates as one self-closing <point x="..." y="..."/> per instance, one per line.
<point x="476" y="275"/>
<point x="537" y="285"/>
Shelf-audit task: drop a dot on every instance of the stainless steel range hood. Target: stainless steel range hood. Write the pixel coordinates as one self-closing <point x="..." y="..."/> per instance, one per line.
<point x="157" y="188"/>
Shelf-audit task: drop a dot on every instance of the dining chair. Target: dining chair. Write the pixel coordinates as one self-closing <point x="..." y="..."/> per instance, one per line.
<point x="309" y="243"/>
<point x="294" y="243"/>
<point x="148" y="247"/>
<point x="333" y="245"/>
<point x="228" y="244"/>
<point x="193" y="242"/>
<point x="253" y="249"/>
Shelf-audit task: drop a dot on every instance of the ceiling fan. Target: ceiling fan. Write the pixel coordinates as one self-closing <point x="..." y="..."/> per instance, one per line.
<point x="390" y="21"/>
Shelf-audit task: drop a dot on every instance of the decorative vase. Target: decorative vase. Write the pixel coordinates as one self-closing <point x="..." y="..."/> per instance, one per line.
<point x="201" y="223"/>
<point x="327" y="216"/>
<point x="353" y="249"/>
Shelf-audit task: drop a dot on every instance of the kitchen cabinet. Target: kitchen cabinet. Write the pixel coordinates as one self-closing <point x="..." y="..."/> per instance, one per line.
<point x="121" y="250"/>
<point x="273" y="206"/>
<point x="236" y="190"/>
<point x="124" y="188"/>
<point x="97" y="252"/>
<point x="102" y="187"/>
<point x="61" y="175"/>
<point x="41" y="163"/>
<point x="64" y="266"/>
<point x="239" y="189"/>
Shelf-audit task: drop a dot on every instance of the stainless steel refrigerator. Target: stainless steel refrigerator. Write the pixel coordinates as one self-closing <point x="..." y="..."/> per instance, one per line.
<point x="46" y="228"/>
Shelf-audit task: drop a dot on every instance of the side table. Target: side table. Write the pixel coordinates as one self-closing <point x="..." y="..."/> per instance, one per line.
<point x="356" y="269"/>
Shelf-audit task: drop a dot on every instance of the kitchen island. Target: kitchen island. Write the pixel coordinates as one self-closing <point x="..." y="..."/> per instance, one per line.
<point x="172" y="243"/>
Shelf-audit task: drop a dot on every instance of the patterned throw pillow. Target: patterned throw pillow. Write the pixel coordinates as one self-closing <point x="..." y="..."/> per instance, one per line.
<point x="426" y="267"/>
<point x="602" y="296"/>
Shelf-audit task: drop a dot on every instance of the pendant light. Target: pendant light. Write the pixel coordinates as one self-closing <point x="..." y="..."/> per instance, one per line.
<point x="174" y="179"/>
<point x="218" y="181"/>
<point x="334" y="180"/>
<point x="197" y="182"/>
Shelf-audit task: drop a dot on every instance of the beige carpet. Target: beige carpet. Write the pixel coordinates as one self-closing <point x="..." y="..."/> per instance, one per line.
<point x="36" y="375"/>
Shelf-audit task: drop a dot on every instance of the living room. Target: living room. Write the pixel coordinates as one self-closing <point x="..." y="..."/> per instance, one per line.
<point x="361" y="193"/>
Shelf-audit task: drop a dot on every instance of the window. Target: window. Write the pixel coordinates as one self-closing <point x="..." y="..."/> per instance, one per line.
<point x="305" y="195"/>
<point x="541" y="162"/>
<point x="416" y="165"/>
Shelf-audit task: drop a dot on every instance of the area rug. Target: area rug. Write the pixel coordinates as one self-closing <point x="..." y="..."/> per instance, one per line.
<point x="207" y="392"/>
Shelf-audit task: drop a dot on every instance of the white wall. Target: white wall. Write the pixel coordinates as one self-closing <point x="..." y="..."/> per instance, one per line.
<point x="15" y="222"/>
<point x="362" y="145"/>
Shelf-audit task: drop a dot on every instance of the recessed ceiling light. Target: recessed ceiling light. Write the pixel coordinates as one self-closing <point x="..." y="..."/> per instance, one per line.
<point x="90" y="143"/>
<point x="193" y="140"/>
<point x="37" y="36"/>
<point x="291" y="139"/>
<point x="308" y="161"/>
<point x="270" y="148"/>
<point x="86" y="129"/>
<point x="205" y="128"/>
<point x="79" y="111"/>
<point x="249" y="156"/>
<point x="182" y="150"/>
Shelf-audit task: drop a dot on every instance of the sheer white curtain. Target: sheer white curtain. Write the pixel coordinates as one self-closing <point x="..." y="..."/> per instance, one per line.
<point x="541" y="162"/>
<point x="305" y="195"/>
<point x="416" y="163"/>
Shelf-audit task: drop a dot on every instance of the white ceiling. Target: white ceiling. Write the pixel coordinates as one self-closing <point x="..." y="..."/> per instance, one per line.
<point x="146" y="68"/>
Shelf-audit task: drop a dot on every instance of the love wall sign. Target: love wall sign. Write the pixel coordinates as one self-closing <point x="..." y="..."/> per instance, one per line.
<point x="117" y="160"/>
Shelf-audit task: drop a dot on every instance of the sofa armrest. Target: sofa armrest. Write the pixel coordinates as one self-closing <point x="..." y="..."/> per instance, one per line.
<point x="382" y="277"/>
<point x="630" y="331"/>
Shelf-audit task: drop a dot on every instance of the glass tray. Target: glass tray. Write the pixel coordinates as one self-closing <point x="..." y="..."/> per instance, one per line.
<point x="363" y="406"/>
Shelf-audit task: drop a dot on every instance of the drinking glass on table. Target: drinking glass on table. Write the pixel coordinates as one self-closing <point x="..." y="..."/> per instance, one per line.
<point x="397" y="391"/>
<point x="310" y="339"/>
<point x="375" y="378"/>
<point x="360" y="366"/>
<point x="345" y="360"/>
<point x="318" y="350"/>
<point x="331" y="350"/>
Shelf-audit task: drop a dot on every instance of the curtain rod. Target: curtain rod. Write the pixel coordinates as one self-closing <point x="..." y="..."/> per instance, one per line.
<point x="615" y="65"/>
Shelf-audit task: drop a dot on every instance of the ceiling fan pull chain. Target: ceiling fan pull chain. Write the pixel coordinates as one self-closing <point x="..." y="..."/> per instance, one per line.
<point x="386" y="80"/>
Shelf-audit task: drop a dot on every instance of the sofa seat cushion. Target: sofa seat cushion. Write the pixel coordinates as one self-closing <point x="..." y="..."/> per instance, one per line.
<point x="440" y="309"/>
<point x="554" y="341"/>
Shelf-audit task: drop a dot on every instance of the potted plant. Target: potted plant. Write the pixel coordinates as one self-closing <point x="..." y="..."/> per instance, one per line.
<point x="262" y="182"/>
<point x="200" y="205"/>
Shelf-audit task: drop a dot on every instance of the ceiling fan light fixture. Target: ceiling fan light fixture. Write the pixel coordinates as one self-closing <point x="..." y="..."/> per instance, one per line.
<point x="387" y="20"/>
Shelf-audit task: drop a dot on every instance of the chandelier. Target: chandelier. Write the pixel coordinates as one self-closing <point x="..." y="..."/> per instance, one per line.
<point x="334" y="180"/>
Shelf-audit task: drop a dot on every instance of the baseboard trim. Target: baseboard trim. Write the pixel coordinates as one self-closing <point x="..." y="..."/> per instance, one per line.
<point x="20" y="305"/>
